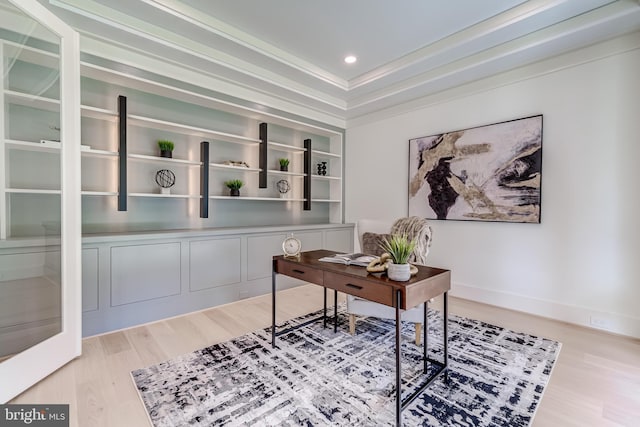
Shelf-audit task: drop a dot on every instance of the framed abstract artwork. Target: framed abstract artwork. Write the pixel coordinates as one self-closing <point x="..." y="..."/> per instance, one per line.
<point x="486" y="173"/>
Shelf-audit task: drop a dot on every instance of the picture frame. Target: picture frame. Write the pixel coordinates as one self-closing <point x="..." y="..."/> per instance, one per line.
<point x="484" y="173"/>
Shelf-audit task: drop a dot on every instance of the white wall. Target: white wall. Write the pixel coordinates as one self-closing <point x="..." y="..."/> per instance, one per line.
<point x="582" y="263"/>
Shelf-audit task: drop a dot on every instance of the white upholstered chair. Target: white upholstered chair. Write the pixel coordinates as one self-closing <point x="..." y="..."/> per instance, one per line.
<point x="362" y="307"/>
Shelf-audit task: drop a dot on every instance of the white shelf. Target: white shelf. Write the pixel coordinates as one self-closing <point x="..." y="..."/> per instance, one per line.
<point x="238" y="168"/>
<point x="36" y="146"/>
<point x="336" y="178"/>
<point x="35" y="101"/>
<point x="99" y="153"/>
<point x="31" y="55"/>
<point x="165" y="196"/>
<point x="325" y="154"/>
<point x="31" y="191"/>
<point x="99" y="193"/>
<point x="278" y="172"/>
<point x="98" y="113"/>
<point x="158" y="159"/>
<point x="285" y="147"/>
<point x="270" y="199"/>
<point x="50" y="104"/>
<point x="171" y="126"/>
<point x="325" y="201"/>
<point x="30" y="146"/>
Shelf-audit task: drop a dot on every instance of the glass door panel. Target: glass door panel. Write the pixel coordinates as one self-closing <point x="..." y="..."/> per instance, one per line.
<point x="39" y="209"/>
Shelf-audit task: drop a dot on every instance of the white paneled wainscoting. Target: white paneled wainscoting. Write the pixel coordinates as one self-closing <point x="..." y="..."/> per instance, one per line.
<point x="133" y="278"/>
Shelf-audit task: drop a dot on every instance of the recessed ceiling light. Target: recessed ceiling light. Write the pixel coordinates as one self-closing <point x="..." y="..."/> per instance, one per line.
<point x="350" y="59"/>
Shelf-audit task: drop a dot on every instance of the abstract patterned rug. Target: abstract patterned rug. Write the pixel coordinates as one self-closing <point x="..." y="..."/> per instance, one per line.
<point x="318" y="378"/>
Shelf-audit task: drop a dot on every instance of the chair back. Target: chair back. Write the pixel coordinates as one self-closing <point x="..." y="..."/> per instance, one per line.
<point x="370" y="226"/>
<point x="413" y="227"/>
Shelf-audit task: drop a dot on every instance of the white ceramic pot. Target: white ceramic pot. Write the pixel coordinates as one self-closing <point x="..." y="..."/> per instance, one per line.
<point x="399" y="272"/>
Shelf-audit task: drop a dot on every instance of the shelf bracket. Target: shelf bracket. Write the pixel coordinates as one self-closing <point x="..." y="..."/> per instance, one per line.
<point x="204" y="179"/>
<point x="122" y="153"/>
<point x="262" y="176"/>
<point x="307" y="175"/>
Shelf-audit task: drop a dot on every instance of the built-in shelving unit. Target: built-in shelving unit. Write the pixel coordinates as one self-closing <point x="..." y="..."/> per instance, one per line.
<point x="123" y="117"/>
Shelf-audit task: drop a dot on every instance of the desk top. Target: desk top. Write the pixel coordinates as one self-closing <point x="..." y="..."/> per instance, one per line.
<point x="426" y="284"/>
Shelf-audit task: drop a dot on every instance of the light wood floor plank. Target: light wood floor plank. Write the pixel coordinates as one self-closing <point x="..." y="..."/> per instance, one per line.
<point x="596" y="381"/>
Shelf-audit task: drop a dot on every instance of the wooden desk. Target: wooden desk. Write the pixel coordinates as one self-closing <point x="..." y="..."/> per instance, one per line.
<point x="428" y="283"/>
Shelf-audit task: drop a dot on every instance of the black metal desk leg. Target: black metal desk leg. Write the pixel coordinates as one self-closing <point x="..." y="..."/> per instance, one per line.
<point x="273" y="306"/>
<point x="446" y="336"/>
<point x="425" y="335"/>
<point x="335" y="311"/>
<point x="324" y="313"/>
<point x="398" y="365"/>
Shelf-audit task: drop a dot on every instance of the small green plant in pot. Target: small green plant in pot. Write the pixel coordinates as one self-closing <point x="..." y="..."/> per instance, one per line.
<point x="166" y="148"/>
<point x="234" y="186"/>
<point x="400" y="248"/>
<point x="284" y="164"/>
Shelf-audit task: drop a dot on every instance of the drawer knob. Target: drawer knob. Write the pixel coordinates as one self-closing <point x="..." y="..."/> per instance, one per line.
<point x="351" y="285"/>
<point x="298" y="271"/>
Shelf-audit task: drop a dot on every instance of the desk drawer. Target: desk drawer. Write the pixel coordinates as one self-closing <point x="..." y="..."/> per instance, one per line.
<point x="301" y="272"/>
<point x="371" y="291"/>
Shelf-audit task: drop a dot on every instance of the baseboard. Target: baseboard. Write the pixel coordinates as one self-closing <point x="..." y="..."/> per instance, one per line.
<point x="605" y="321"/>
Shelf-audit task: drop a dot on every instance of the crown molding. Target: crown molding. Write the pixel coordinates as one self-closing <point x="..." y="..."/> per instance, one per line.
<point x="208" y="23"/>
<point x="613" y="47"/>
<point x="523" y="48"/>
<point x="112" y="18"/>
<point x="245" y="66"/>
<point x="457" y="40"/>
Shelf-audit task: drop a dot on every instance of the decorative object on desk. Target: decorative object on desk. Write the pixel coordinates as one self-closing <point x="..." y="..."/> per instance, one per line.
<point x="380" y="264"/>
<point x="236" y="163"/>
<point x="291" y="247"/>
<point x="322" y="168"/>
<point x="234" y="186"/>
<point x="283" y="187"/>
<point x="487" y="173"/>
<point x="284" y="165"/>
<point x="165" y="179"/>
<point x="399" y="248"/>
<point x="496" y="377"/>
<point x="166" y="148"/>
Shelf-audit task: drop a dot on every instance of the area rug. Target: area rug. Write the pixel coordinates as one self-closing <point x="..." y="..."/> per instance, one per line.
<point x="320" y="378"/>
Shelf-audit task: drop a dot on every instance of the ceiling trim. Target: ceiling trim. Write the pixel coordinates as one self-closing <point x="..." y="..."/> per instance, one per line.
<point x="233" y="61"/>
<point x="548" y="35"/>
<point x="208" y="23"/>
<point x="457" y="40"/>
<point x="617" y="46"/>
<point x="146" y="61"/>
<point x="165" y="38"/>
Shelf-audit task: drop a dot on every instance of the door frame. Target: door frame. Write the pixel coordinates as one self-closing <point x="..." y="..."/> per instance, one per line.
<point x="25" y="369"/>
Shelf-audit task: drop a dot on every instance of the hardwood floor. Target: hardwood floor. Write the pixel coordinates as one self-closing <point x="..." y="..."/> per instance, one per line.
<point x="596" y="381"/>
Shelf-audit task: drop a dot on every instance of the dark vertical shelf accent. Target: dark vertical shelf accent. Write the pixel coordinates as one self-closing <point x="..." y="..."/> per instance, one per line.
<point x="204" y="179"/>
<point x="307" y="175"/>
<point x="122" y="153"/>
<point x="262" y="176"/>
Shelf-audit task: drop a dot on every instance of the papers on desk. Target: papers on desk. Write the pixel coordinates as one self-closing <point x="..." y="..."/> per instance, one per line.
<point x="359" y="259"/>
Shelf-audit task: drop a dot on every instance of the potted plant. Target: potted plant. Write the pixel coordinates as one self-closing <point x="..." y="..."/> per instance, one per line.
<point x="166" y="147"/>
<point x="284" y="165"/>
<point x="234" y="186"/>
<point x="400" y="248"/>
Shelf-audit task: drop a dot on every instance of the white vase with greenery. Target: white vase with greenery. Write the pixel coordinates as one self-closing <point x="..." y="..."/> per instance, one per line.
<point x="400" y="249"/>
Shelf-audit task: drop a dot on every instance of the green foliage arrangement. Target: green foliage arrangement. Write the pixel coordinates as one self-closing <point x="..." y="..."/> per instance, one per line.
<point x="165" y="145"/>
<point x="399" y="247"/>
<point x="234" y="184"/>
<point x="284" y="162"/>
